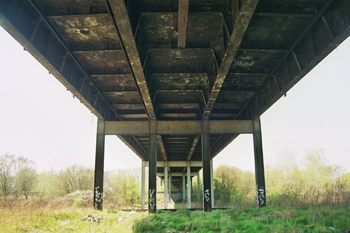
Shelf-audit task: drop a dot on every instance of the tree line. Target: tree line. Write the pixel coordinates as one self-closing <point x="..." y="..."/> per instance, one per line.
<point x="310" y="181"/>
<point x="19" y="177"/>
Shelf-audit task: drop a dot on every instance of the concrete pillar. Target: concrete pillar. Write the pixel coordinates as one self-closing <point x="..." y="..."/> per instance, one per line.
<point x="183" y="187"/>
<point x="188" y="187"/>
<point x="259" y="164"/>
<point x="206" y="173"/>
<point x="212" y="183"/>
<point x="99" y="165"/>
<point x="165" y="188"/>
<point x="198" y="186"/>
<point x="170" y="188"/>
<point x="143" y="185"/>
<point x="152" y="157"/>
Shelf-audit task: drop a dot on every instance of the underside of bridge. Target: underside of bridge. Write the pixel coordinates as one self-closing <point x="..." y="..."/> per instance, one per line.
<point x="178" y="80"/>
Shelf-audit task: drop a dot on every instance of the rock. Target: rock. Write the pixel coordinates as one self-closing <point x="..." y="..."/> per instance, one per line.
<point x="121" y="219"/>
<point x="64" y="222"/>
<point x="90" y="218"/>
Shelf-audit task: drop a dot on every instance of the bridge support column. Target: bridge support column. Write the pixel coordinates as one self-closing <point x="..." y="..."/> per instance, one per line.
<point x="259" y="164"/>
<point x="143" y="184"/>
<point x="198" y="186"/>
<point x="152" y="177"/>
<point x="207" y="187"/>
<point x="165" y="188"/>
<point x="169" y="188"/>
<point x="188" y="187"/>
<point x="183" y="187"/>
<point x="99" y="165"/>
<point x="212" y="183"/>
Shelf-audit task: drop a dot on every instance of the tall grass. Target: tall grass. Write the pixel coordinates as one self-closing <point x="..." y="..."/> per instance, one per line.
<point x="269" y="219"/>
<point x="63" y="214"/>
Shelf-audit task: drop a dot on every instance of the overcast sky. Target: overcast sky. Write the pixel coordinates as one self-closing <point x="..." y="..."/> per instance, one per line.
<point x="41" y="120"/>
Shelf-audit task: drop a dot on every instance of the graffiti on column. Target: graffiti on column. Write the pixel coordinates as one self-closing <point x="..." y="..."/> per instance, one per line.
<point x="98" y="195"/>
<point x="207" y="195"/>
<point x="152" y="200"/>
<point x="260" y="195"/>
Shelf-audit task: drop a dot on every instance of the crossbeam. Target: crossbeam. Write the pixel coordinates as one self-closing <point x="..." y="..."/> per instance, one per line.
<point x="178" y="127"/>
<point x="122" y="25"/>
<point x="245" y="14"/>
<point x="177" y="163"/>
<point x="182" y="23"/>
<point x="173" y="174"/>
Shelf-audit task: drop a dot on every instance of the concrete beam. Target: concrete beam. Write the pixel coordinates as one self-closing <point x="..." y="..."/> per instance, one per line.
<point x="241" y="24"/>
<point x="179" y="174"/>
<point x="177" y="163"/>
<point x="182" y="23"/>
<point x="178" y="127"/>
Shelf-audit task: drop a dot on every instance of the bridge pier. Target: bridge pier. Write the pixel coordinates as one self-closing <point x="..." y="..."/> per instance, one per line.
<point x="143" y="184"/>
<point x="152" y="177"/>
<point x="165" y="188"/>
<point x="207" y="186"/>
<point x="188" y="187"/>
<point x="99" y="165"/>
<point x="183" y="187"/>
<point x="212" y="183"/>
<point x="259" y="164"/>
<point x="169" y="196"/>
<point x="198" y="186"/>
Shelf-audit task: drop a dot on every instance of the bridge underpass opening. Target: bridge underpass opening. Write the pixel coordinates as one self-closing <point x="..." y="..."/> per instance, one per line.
<point x="153" y="129"/>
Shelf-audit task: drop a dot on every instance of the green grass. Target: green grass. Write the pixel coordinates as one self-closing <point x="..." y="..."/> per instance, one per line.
<point x="268" y="219"/>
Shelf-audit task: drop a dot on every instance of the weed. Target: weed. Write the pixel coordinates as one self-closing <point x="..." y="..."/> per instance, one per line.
<point x="269" y="219"/>
<point x="46" y="218"/>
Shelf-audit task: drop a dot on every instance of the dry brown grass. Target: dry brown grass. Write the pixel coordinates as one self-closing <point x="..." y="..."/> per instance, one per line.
<point x="61" y="214"/>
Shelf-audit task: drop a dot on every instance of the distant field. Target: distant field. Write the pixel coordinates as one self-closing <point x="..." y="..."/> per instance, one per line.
<point x="268" y="219"/>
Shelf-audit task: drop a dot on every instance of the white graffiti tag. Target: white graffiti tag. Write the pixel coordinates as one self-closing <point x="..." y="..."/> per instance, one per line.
<point x="260" y="195"/>
<point x="98" y="195"/>
<point x="152" y="200"/>
<point x="207" y="195"/>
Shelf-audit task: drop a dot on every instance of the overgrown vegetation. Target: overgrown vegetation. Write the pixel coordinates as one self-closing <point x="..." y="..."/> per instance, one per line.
<point x="233" y="186"/>
<point x="17" y="175"/>
<point x="288" y="183"/>
<point x="267" y="219"/>
<point x="67" y="220"/>
<point x="123" y="189"/>
<point x="303" y="196"/>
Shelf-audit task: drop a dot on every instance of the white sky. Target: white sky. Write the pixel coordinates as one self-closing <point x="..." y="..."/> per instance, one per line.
<point x="41" y="121"/>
